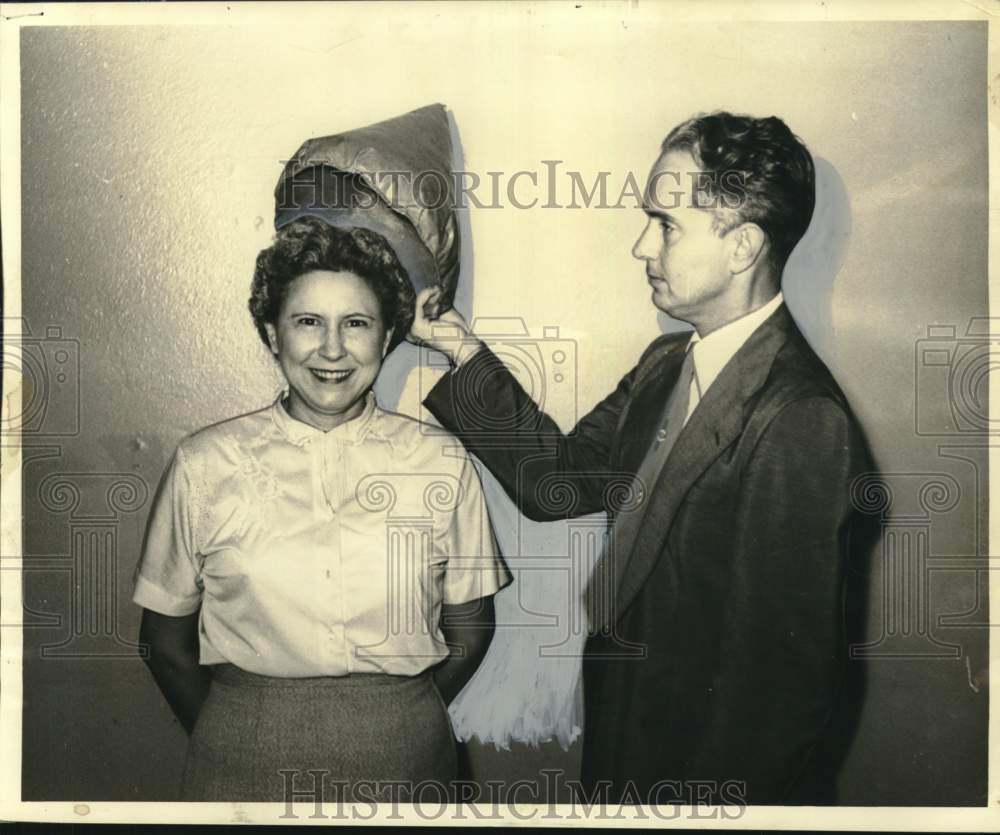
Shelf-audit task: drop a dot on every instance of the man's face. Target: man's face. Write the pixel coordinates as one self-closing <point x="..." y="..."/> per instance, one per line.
<point x="686" y="259"/>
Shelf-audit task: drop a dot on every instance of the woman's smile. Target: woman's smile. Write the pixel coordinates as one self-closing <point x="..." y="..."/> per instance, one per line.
<point x="331" y="376"/>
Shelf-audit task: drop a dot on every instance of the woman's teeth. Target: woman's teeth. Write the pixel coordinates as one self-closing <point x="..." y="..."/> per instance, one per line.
<point x="332" y="376"/>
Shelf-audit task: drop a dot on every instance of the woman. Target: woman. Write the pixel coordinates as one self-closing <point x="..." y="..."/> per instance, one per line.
<point x="307" y="566"/>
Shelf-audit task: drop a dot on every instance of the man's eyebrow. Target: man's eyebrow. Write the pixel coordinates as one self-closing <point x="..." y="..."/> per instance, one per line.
<point x="658" y="213"/>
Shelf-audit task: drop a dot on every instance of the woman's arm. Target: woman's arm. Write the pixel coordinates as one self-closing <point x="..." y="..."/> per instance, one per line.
<point x="173" y="661"/>
<point x="468" y="630"/>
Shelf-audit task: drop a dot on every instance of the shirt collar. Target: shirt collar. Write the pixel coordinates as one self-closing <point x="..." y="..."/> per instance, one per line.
<point x="711" y="353"/>
<point x="353" y="431"/>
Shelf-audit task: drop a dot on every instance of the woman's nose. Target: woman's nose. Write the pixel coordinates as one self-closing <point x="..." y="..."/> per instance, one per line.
<point x="332" y="346"/>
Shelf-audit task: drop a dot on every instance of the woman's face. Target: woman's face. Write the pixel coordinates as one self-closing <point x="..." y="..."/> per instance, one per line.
<point x="330" y="341"/>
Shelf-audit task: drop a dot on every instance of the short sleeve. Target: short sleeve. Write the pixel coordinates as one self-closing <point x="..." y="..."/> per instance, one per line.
<point x="167" y="579"/>
<point x="475" y="568"/>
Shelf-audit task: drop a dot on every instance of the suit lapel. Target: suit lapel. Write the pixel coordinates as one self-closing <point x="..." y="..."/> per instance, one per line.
<point x="713" y="426"/>
<point x="645" y="409"/>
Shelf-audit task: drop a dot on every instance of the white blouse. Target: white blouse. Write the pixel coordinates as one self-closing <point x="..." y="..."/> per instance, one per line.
<point x="316" y="553"/>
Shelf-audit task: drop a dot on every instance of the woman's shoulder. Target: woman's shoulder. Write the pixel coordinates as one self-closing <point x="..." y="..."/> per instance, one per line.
<point x="417" y="439"/>
<point x="209" y="441"/>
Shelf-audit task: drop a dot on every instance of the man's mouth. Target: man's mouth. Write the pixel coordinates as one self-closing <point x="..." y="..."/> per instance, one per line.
<point x="331" y="376"/>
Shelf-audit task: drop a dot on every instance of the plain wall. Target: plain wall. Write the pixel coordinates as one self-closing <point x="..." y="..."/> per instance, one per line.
<point x="149" y="156"/>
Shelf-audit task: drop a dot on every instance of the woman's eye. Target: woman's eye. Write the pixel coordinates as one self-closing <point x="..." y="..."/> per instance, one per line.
<point x="308" y="321"/>
<point x="357" y="323"/>
<point x="667" y="226"/>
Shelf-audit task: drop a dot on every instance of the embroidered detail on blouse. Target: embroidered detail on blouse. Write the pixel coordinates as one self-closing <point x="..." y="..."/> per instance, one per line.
<point x="264" y="482"/>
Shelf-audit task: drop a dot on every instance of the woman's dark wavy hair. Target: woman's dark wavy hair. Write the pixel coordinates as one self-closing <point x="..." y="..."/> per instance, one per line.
<point x="309" y="244"/>
<point x="774" y="168"/>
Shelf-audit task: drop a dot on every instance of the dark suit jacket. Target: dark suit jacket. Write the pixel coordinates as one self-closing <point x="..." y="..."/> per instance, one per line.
<point x="733" y="593"/>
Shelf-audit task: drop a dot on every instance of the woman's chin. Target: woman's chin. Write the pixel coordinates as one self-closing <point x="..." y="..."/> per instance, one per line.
<point x="326" y="412"/>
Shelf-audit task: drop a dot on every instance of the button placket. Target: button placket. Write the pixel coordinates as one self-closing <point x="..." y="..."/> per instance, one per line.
<point x="335" y="483"/>
<point x="327" y="510"/>
<point x="330" y="509"/>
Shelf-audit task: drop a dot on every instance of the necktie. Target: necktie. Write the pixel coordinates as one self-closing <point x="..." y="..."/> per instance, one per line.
<point x="621" y="538"/>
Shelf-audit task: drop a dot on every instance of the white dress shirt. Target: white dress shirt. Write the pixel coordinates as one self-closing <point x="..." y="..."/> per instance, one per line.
<point x="711" y="353"/>
<point x="315" y="553"/>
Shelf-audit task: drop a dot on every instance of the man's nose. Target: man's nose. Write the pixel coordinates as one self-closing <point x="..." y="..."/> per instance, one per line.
<point x="642" y="247"/>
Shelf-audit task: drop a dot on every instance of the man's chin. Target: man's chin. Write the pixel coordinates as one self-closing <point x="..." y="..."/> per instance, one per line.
<point x="662" y="301"/>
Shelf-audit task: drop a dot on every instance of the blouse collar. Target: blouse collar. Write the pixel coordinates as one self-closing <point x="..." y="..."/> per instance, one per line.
<point x="353" y="431"/>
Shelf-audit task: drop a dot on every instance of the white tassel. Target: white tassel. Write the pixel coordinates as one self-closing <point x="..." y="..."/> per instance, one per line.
<point x="522" y="693"/>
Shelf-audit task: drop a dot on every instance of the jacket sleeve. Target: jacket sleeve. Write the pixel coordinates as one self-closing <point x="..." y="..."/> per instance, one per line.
<point x="783" y="643"/>
<point x="548" y="474"/>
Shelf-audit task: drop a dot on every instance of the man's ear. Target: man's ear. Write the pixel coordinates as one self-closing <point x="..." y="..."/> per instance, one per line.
<point x="272" y="337"/>
<point x="749" y="241"/>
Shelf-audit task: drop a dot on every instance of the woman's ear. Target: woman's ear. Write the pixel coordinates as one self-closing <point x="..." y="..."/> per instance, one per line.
<point x="272" y="337"/>
<point x="386" y="341"/>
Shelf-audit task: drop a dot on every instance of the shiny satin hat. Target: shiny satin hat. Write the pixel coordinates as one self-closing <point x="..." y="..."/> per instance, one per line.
<point x="393" y="177"/>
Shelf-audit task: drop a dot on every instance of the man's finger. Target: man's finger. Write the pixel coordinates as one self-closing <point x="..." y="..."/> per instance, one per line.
<point x="427" y="301"/>
<point x="426" y="293"/>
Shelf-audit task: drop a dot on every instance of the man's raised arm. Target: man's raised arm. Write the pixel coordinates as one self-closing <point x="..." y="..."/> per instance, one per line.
<point x="548" y="474"/>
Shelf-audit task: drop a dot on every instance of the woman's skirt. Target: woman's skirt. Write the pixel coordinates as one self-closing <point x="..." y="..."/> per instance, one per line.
<point x="356" y="737"/>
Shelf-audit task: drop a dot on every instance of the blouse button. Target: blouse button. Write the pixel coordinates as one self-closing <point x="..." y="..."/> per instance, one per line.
<point x="661" y="435"/>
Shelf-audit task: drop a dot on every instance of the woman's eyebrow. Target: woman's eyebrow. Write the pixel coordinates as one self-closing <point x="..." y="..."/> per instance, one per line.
<point x="359" y="313"/>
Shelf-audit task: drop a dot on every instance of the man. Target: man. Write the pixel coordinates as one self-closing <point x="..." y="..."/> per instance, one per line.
<point x="713" y="667"/>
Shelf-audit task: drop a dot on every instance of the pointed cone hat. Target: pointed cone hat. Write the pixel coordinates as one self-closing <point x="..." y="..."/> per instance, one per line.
<point x="393" y="177"/>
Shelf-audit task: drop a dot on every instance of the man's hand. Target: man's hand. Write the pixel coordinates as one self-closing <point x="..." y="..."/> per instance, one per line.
<point x="445" y="331"/>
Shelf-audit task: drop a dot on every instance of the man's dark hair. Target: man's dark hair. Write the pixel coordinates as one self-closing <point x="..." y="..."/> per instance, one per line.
<point x="774" y="170"/>
<point x="309" y="244"/>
